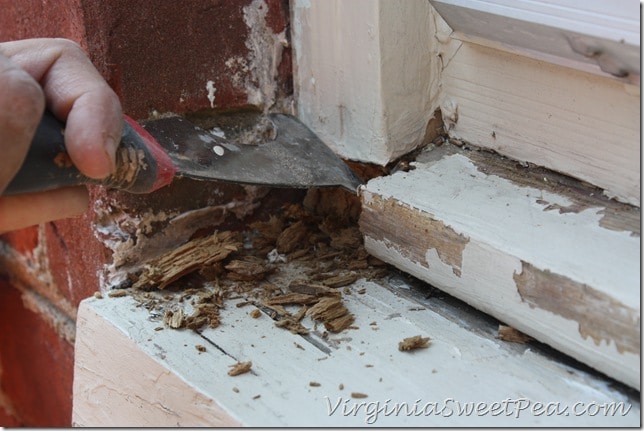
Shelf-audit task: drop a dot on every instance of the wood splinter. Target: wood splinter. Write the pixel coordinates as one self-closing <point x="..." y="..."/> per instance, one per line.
<point x="413" y="343"/>
<point x="191" y="256"/>
<point x="240" y="368"/>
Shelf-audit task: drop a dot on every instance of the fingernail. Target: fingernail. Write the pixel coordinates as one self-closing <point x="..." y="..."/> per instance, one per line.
<point x="110" y="148"/>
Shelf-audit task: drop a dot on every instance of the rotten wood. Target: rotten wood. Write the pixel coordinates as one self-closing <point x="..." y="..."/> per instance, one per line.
<point x="240" y="368"/>
<point x="512" y="335"/>
<point x="414" y="343"/>
<point x="191" y="256"/>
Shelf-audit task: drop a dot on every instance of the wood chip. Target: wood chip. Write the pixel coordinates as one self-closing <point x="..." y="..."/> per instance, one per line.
<point x="339" y="324"/>
<point x="358" y="395"/>
<point x="290" y="323"/>
<point x="117" y="293"/>
<point x="248" y="268"/>
<point x="292" y="238"/>
<point x="191" y="256"/>
<point x="269" y="231"/>
<point x="508" y="333"/>
<point x="292" y="298"/>
<point x="314" y="384"/>
<point x="174" y="319"/>
<point x="240" y="368"/>
<point x="349" y="238"/>
<point x="413" y="343"/>
<point x="332" y="313"/>
<point x="340" y="280"/>
<point x="312" y="289"/>
<point x="302" y="254"/>
<point x="327" y="308"/>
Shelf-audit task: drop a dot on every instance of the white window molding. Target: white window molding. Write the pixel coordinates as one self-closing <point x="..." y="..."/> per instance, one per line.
<point x="367" y="74"/>
<point x="127" y="373"/>
<point x="593" y="35"/>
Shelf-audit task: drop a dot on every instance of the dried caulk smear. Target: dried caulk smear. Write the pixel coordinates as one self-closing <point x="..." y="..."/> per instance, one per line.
<point x="265" y="53"/>
<point x="210" y="87"/>
<point x="413" y="343"/>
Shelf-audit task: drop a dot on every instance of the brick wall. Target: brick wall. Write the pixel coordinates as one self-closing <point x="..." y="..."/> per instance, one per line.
<point x="159" y="56"/>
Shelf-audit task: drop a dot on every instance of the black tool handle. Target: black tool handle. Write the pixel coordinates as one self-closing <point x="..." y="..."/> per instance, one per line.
<point x="48" y="166"/>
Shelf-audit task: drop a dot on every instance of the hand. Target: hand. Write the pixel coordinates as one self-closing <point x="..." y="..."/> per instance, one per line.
<point x="53" y="73"/>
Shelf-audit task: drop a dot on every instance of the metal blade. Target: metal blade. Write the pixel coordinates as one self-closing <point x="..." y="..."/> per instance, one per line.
<point x="296" y="157"/>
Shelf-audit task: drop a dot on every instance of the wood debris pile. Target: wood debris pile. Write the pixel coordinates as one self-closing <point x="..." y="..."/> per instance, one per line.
<point x="300" y="259"/>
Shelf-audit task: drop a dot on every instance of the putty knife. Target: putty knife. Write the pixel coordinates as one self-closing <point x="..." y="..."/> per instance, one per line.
<point x="152" y="153"/>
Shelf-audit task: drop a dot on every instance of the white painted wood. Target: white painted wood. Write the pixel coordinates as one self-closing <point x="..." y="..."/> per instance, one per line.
<point x="576" y="123"/>
<point x="118" y="384"/>
<point x="459" y="367"/>
<point x="614" y="20"/>
<point x="367" y="73"/>
<point x="563" y="28"/>
<point x="501" y="227"/>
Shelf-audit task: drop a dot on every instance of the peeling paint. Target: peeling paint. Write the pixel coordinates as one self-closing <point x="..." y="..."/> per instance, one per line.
<point x="561" y="193"/>
<point x="599" y="316"/>
<point x="394" y="223"/>
<point x="265" y="55"/>
<point x="587" y="302"/>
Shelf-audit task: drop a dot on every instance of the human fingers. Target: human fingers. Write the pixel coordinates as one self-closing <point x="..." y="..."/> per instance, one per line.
<point x="21" y="105"/>
<point x="75" y="93"/>
<point x="20" y="211"/>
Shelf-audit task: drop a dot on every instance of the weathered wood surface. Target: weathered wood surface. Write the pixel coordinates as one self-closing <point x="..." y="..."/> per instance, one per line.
<point x="573" y="122"/>
<point x="540" y="252"/>
<point x="129" y="373"/>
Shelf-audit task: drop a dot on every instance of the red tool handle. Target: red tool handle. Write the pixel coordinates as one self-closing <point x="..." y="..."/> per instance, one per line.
<point x="142" y="165"/>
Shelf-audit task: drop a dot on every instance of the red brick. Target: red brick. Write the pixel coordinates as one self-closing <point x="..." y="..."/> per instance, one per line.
<point x="75" y="258"/>
<point x="157" y="54"/>
<point x="37" y="18"/>
<point x="160" y="54"/>
<point x="8" y="420"/>
<point x="37" y="366"/>
<point x="23" y="240"/>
